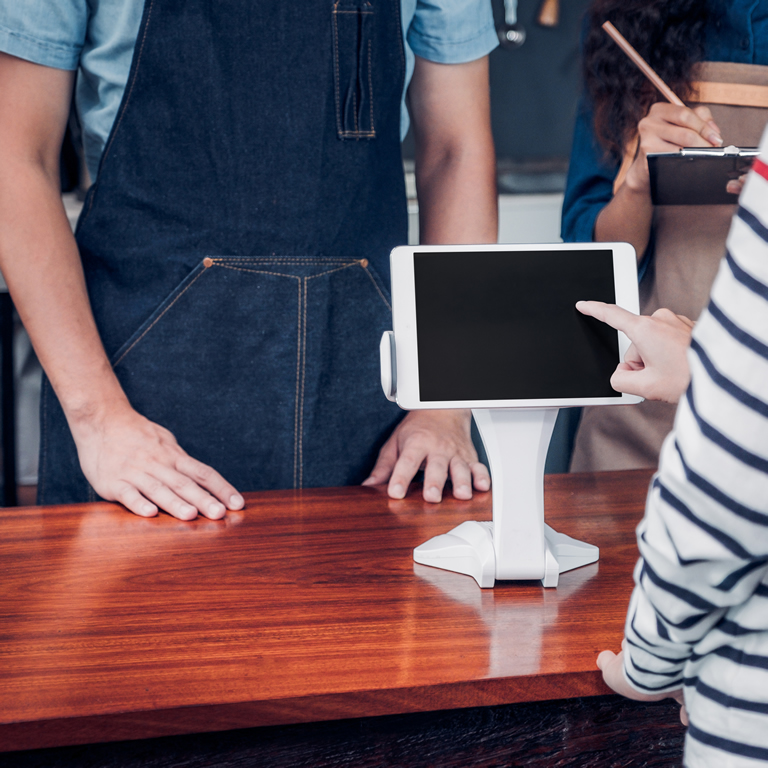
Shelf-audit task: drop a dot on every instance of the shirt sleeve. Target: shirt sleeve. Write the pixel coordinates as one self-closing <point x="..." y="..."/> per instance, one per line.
<point x="589" y="186"/>
<point x="48" y="32"/>
<point x="699" y="585"/>
<point x="452" y="31"/>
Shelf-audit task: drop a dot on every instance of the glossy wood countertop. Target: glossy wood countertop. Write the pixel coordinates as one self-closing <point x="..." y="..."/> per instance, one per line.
<point x="306" y="606"/>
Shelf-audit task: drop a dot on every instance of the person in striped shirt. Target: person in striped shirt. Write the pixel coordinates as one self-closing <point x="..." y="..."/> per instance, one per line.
<point x="697" y="624"/>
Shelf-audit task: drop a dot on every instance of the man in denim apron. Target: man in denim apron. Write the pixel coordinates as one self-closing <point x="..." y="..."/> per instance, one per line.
<point x="229" y="281"/>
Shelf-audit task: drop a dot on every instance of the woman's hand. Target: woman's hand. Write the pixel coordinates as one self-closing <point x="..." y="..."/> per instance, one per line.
<point x="734" y="186"/>
<point x="655" y="366"/>
<point x="667" y="128"/>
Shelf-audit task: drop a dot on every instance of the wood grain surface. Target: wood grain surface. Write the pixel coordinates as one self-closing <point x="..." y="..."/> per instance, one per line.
<point x="304" y="607"/>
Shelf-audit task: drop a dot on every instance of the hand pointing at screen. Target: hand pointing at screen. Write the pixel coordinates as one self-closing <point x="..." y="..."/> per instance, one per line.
<point x="655" y="365"/>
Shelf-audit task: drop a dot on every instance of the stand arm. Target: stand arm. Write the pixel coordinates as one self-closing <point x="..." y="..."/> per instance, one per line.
<point x="516" y="442"/>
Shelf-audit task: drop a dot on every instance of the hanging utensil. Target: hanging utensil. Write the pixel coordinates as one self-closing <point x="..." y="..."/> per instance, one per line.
<point x="549" y="13"/>
<point x="511" y="33"/>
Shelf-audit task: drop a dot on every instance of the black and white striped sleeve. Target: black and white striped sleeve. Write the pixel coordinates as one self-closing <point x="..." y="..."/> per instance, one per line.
<point x="704" y="538"/>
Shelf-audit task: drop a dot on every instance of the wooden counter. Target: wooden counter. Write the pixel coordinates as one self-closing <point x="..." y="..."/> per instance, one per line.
<point x="304" y="607"/>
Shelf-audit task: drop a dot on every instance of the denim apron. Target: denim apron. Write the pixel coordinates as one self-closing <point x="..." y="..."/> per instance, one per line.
<point x="236" y="241"/>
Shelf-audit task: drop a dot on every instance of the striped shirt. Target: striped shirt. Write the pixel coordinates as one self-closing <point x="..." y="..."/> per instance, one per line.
<point x="699" y="612"/>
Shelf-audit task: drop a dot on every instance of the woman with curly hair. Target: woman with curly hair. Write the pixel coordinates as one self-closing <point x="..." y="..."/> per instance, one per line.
<point x="713" y="54"/>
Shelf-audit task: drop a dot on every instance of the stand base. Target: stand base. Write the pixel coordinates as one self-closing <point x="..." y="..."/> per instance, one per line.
<point x="469" y="549"/>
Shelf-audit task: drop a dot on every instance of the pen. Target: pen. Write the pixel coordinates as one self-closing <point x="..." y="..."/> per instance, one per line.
<point x="642" y="64"/>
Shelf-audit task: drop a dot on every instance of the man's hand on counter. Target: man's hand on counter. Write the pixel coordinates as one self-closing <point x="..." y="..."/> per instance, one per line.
<point x="441" y="443"/>
<point x="130" y="459"/>
<point x="456" y="180"/>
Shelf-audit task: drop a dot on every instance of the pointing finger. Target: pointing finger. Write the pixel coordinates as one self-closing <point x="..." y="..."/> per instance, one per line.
<point x="616" y="317"/>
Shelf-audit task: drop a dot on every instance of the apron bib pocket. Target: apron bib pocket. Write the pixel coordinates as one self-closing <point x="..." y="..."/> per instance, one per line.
<point x="353" y="68"/>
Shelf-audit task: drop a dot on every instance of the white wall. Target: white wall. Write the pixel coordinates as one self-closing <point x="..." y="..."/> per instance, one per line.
<point x="522" y="219"/>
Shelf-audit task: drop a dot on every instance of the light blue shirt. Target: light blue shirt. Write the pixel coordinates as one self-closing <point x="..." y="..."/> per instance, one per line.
<point x="97" y="37"/>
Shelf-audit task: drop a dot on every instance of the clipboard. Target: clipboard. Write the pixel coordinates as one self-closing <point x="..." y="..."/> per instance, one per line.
<point x="697" y="176"/>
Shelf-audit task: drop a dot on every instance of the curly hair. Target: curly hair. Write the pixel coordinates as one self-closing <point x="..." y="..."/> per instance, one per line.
<point x="668" y="34"/>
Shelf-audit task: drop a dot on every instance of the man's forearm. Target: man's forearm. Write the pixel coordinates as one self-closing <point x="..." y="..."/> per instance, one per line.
<point x="457" y="196"/>
<point x="455" y="159"/>
<point x="124" y="456"/>
<point x="41" y="264"/>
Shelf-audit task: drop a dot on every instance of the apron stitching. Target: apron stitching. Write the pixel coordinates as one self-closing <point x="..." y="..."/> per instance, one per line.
<point x="331" y="271"/>
<point x="223" y="261"/>
<point x="354" y="111"/>
<point x="383" y="297"/>
<point x="298" y="380"/>
<point x="124" y="106"/>
<point x="258" y="271"/>
<point x="156" y="320"/>
<point x="303" y="381"/>
<point x="336" y="68"/>
<point x="370" y="87"/>
<point x="257" y="268"/>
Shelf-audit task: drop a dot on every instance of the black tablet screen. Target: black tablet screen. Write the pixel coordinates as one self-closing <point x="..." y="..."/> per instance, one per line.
<point x="502" y="325"/>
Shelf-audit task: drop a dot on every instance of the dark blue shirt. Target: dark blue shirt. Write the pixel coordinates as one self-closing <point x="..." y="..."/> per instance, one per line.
<point x="736" y="31"/>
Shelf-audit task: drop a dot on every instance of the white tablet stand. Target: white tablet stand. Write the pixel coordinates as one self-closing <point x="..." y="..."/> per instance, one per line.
<point x="517" y="544"/>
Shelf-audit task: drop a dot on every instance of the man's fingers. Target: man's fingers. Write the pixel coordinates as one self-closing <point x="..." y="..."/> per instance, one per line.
<point x="439" y="441"/>
<point x="132" y="500"/>
<point x="405" y="469"/>
<point x="159" y="493"/>
<point x="481" y="476"/>
<point x="435" y="475"/>
<point x="461" y="478"/>
<point x="205" y="477"/>
<point x="385" y="464"/>
<point x="182" y="486"/>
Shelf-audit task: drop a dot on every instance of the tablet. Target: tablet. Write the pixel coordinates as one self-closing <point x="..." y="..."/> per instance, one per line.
<point x="495" y="326"/>
<point x="698" y="176"/>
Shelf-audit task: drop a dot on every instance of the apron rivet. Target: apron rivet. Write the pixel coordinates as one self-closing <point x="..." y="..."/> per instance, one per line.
<point x="207" y="262"/>
<point x="364" y="263"/>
